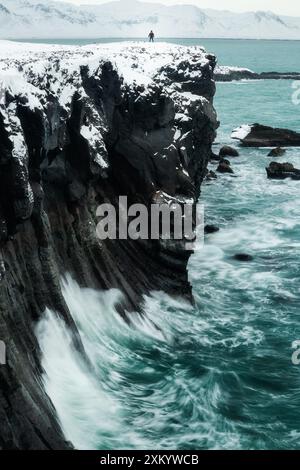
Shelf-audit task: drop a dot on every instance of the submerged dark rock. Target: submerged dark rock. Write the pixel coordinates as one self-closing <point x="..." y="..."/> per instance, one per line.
<point x="224" y="166"/>
<point x="243" y="257"/>
<point x="227" y="151"/>
<point x="77" y="138"/>
<point x="277" y="152"/>
<point x="282" y="170"/>
<point x="257" y="135"/>
<point x="208" y="229"/>
<point x="214" y="157"/>
<point x="211" y="175"/>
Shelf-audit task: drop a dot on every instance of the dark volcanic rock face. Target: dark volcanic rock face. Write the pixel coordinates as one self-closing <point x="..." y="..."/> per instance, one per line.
<point x="75" y="134"/>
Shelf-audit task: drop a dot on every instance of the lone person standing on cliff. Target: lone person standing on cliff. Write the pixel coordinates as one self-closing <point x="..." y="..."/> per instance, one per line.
<point x="151" y="36"/>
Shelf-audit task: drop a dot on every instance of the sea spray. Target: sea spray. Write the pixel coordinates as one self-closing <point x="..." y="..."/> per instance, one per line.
<point x="144" y="392"/>
<point x="88" y="404"/>
<point x="81" y="403"/>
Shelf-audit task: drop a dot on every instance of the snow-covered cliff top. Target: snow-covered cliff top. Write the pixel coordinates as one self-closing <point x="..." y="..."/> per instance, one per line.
<point x="35" y="75"/>
<point x="135" y="61"/>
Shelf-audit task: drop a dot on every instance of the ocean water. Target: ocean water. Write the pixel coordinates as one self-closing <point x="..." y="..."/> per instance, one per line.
<point x="218" y="375"/>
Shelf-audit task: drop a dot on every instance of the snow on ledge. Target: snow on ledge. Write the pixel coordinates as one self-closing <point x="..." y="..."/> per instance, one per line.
<point x="240" y="133"/>
<point x="136" y="61"/>
<point x="228" y="70"/>
<point x="37" y="71"/>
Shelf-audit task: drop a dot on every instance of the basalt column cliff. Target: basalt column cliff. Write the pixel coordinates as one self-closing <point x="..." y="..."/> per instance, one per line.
<point x="79" y="127"/>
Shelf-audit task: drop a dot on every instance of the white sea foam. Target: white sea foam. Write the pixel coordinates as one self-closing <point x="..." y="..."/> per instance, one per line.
<point x="82" y="404"/>
<point x="123" y="403"/>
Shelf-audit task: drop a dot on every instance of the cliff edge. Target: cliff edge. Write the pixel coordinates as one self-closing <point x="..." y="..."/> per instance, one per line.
<point x="80" y="126"/>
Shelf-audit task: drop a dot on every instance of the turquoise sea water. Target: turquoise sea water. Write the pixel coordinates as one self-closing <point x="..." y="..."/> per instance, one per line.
<point x="219" y="375"/>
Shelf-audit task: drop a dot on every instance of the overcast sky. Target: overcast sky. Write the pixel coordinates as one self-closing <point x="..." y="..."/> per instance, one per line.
<point x="285" y="7"/>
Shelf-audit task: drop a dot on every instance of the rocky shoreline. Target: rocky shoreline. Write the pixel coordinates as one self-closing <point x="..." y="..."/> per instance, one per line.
<point x="81" y="126"/>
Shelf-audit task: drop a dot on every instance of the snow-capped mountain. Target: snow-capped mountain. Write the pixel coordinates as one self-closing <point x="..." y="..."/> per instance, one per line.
<point x="131" y="18"/>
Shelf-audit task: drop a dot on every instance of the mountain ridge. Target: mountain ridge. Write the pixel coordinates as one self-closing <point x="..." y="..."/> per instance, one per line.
<point x="52" y="19"/>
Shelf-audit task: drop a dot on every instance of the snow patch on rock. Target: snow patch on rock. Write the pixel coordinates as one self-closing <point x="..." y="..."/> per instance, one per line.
<point x="228" y="70"/>
<point x="240" y="133"/>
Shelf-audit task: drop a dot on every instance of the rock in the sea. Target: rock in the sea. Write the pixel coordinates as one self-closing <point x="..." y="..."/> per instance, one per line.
<point x="211" y="229"/>
<point x="225" y="73"/>
<point x="257" y="135"/>
<point x="211" y="175"/>
<point x="228" y="74"/>
<point x="282" y="170"/>
<point x="214" y="157"/>
<point x="243" y="257"/>
<point x="277" y="152"/>
<point x="224" y="166"/>
<point x="227" y="151"/>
